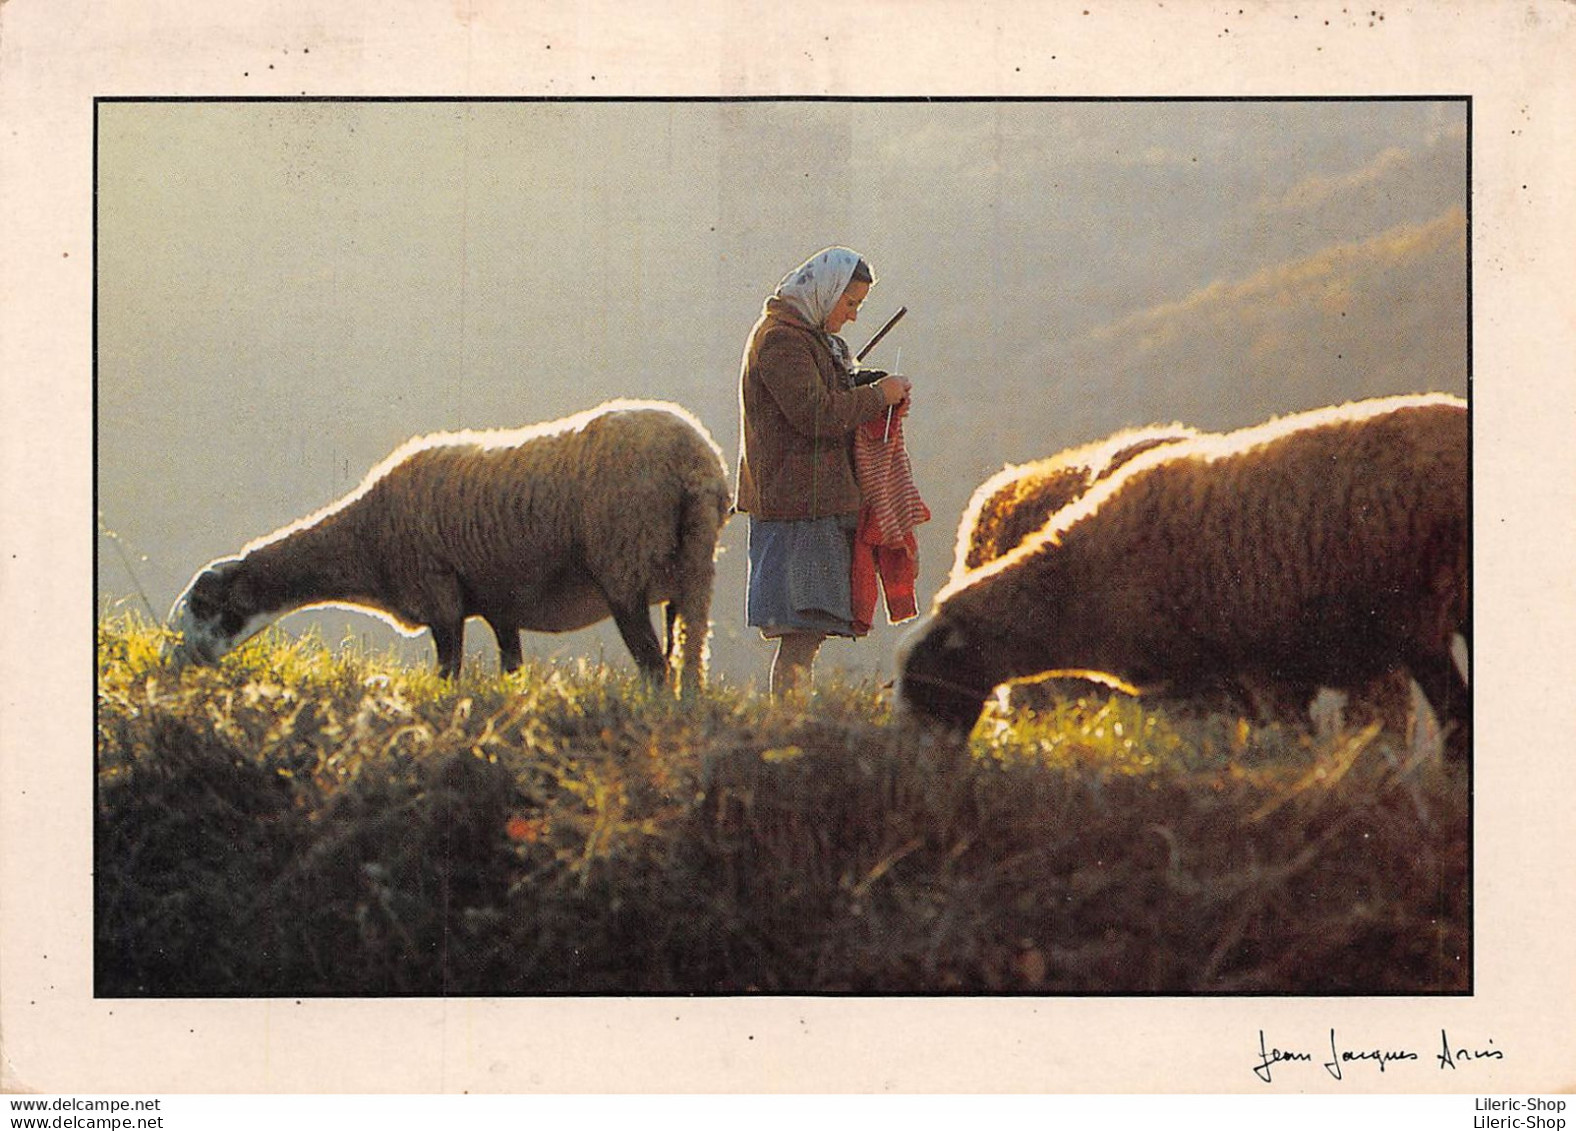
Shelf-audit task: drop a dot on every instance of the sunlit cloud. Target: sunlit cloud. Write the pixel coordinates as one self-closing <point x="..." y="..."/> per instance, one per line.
<point x="1326" y="284"/>
<point x="1319" y="191"/>
<point x="1374" y="317"/>
<point x="1383" y="174"/>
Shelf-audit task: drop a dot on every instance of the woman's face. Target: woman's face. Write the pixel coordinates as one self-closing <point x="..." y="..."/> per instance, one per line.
<point x="846" y="308"/>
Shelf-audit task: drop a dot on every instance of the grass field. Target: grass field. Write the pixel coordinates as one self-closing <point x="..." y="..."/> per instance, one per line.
<point x="305" y="821"/>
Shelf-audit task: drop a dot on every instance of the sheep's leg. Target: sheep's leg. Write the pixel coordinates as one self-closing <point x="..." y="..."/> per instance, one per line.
<point x="689" y="612"/>
<point x="508" y="634"/>
<point x="1446" y="692"/>
<point x="634" y="625"/>
<point x="1270" y="699"/>
<point x="693" y="609"/>
<point x="449" y="637"/>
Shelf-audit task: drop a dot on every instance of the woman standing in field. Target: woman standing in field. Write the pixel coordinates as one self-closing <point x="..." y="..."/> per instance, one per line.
<point x="799" y="409"/>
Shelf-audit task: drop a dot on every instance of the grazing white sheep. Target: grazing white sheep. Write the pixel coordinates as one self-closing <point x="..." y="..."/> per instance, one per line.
<point x="548" y="528"/>
<point x="1322" y="549"/>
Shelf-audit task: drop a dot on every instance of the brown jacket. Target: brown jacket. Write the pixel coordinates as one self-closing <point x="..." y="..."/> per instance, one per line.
<point x="797" y="422"/>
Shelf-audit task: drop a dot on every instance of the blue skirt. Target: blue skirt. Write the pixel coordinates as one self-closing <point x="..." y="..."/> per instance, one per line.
<point x="801" y="576"/>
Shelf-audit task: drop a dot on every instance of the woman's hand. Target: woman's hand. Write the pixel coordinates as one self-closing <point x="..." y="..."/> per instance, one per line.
<point x="894" y="388"/>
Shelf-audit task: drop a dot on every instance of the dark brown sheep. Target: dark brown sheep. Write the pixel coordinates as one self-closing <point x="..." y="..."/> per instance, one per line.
<point x="1021" y="498"/>
<point x="550" y="528"/>
<point x="1322" y="549"/>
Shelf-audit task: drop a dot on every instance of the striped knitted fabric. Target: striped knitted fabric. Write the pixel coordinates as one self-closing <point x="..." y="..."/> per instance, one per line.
<point x="893" y="506"/>
<point x="886" y="556"/>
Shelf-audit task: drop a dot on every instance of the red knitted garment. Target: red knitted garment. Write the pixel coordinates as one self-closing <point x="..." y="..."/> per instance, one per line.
<point x="884" y="547"/>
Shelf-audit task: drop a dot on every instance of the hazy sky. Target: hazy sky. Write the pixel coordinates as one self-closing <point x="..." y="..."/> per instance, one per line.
<point x="286" y="290"/>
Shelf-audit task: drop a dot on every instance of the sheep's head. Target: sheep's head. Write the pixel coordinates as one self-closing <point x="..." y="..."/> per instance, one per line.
<point x="214" y="615"/>
<point x="942" y="680"/>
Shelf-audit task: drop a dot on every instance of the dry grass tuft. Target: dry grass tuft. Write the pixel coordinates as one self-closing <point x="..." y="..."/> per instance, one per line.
<point x="298" y="822"/>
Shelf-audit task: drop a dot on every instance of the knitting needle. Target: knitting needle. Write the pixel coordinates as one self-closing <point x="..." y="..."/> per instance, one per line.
<point x="881" y="333"/>
<point x="897" y="367"/>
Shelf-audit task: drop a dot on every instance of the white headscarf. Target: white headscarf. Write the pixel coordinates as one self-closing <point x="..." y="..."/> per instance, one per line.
<point x="814" y="287"/>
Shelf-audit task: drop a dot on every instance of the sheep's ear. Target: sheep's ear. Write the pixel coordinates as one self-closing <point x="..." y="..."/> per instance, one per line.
<point x="953" y="638"/>
<point x="225" y="585"/>
<point x="214" y="580"/>
<point x="239" y="589"/>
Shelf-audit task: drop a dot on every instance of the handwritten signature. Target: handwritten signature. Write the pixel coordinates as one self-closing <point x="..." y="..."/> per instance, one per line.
<point x="1449" y="1056"/>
